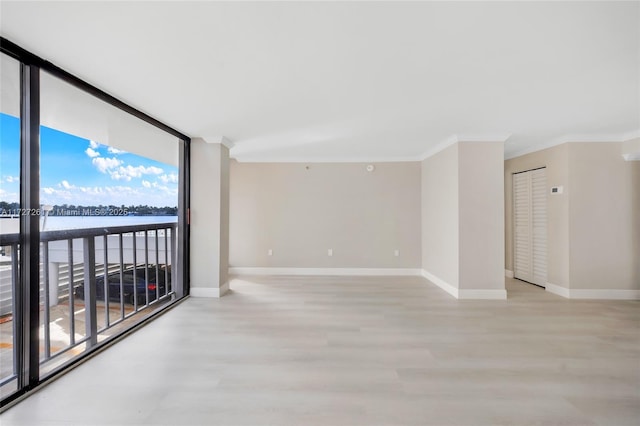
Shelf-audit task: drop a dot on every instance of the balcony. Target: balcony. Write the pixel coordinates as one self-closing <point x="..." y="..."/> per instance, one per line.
<point x="94" y="285"/>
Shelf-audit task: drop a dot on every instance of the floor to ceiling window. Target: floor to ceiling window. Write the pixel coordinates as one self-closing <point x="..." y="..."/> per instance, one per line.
<point x="93" y="228"/>
<point x="9" y="207"/>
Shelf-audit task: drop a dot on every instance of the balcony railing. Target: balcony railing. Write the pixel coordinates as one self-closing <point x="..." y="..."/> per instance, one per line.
<point x="94" y="283"/>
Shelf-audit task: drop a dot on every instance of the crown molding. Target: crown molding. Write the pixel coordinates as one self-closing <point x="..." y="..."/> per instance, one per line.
<point x="577" y="138"/>
<point x="222" y="140"/>
<point x="455" y="138"/>
<point x="445" y="143"/>
<point x="631" y="136"/>
<point x="441" y="146"/>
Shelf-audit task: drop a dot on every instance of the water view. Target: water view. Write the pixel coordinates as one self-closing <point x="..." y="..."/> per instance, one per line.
<point x="55" y="223"/>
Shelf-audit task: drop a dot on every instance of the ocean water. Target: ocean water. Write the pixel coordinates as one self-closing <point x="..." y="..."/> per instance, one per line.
<point x="55" y="223"/>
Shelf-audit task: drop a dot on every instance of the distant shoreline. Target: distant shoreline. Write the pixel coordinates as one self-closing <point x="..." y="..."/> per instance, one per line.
<point x="11" y="225"/>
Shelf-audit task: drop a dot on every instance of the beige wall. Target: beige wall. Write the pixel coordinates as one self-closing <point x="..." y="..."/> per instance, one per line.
<point x="463" y="219"/>
<point x="481" y="215"/>
<point x="209" y="218"/>
<point x="593" y="230"/>
<point x="440" y="242"/>
<point x="301" y="210"/>
<point x="555" y="160"/>
<point x="603" y="217"/>
<point x="225" y="180"/>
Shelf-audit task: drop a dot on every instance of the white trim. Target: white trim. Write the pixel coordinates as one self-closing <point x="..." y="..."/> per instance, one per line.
<point x="441" y="146"/>
<point x="453" y="139"/>
<point x="593" y="294"/>
<point x="508" y="273"/>
<point x="210" y="292"/>
<point x="633" y="156"/>
<point x="222" y="140"/>
<point x="631" y="135"/>
<point x="440" y="283"/>
<point x="445" y="143"/>
<point x="604" y="138"/>
<point x="325" y="271"/>
<point x="604" y="294"/>
<point x="595" y="138"/>
<point x="482" y="294"/>
<point x="556" y="289"/>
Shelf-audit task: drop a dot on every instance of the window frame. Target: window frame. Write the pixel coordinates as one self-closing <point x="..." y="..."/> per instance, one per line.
<point x="26" y="299"/>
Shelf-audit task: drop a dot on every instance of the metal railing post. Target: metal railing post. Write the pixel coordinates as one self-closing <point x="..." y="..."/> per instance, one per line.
<point x="107" y="320"/>
<point x="91" y="319"/>
<point x="47" y="301"/>
<point x="15" y="283"/>
<point x="146" y="266"/>
<point x="121" y="258"/>
<point x="72" y="309"/>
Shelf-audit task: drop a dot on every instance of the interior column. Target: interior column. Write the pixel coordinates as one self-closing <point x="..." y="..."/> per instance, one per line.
<point x="209" y="217"/>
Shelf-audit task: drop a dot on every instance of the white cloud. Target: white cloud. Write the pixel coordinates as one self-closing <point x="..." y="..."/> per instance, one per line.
<point x="66" y="185"/>
<point x="103" y="164"/>
<point x="146" y="184"/>
<point x="116" y="151"/>
<point x="93" y="144"/>
<point x="117" y="175"/>
<point x="117" y="171"/>
<point x="96" y="190"/>
<point x="11" y="179"/>
<point x="156" y="195"/>
<point x="95" y="195"/>
<point x="169" y="178"/>
<point x="128" y="172"/>
<point x="9" y="197"/>
<point x="91" y="153"/>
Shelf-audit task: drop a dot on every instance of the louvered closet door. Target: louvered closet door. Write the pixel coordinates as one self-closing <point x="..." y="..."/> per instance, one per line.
<point x="530" y="226"/>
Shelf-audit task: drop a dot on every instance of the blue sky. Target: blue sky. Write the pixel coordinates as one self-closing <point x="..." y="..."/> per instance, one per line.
<point x="78" y="171"/>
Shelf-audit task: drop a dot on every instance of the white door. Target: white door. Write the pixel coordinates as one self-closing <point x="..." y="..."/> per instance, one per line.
<point x="530" y="226"/>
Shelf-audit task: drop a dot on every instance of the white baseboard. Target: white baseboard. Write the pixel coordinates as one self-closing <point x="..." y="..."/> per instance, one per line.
<point x="440" y="283"/>
<point x="211" y="292"/>
<point x="389" y="272"/>
<point x="478" y="294"/>
<point x="556" y="289"/>
<point x="508" y="273"/>
<point x="484" y="294"/>
<point x="593" y="294"/>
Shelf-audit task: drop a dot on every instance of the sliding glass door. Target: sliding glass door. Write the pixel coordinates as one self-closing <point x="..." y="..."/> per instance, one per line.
<point x="10" y="210"/>
<point x="94" y="229"/>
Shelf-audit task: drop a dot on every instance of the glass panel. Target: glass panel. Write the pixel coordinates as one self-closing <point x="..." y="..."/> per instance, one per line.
<point x="9" y="211"/>
<point x="100" y="169"/>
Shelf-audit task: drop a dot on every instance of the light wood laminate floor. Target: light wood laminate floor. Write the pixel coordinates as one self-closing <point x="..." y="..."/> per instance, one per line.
<point x="359" y="351"/>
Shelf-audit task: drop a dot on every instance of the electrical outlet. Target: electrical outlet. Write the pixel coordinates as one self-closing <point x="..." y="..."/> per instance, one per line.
<point x="330" y="252"/>
<point x="396" y="252"/>
<point x="270" y="252"/>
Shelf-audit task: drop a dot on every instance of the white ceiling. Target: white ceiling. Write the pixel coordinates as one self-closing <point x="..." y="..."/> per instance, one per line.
<point x="354" y="81"/>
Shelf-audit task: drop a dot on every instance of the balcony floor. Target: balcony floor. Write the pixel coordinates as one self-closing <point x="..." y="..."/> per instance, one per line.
<point x="359" y="351"/>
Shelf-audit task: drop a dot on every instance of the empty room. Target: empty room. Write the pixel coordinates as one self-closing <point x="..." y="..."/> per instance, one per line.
<point x="319" y="213"/>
